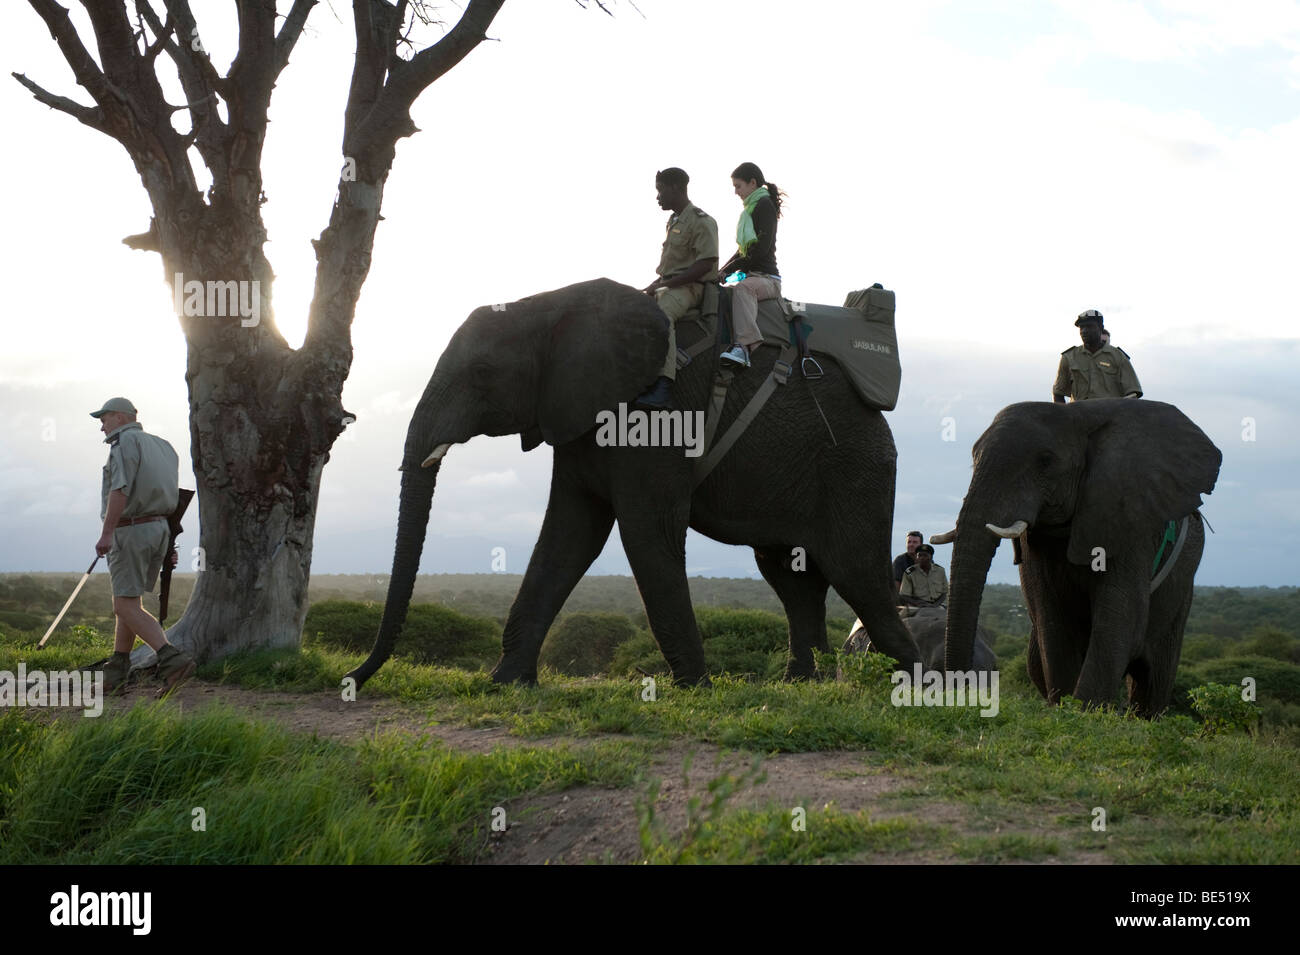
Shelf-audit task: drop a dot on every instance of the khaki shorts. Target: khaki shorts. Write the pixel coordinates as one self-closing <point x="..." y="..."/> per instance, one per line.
<point x="137" y="557"/>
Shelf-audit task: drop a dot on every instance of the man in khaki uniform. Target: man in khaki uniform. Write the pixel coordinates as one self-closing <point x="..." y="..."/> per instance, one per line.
<point x="689" y="260"/>
<point x="924" y="583"/>
<point x="1095" y="369"/>
<point x="140" y="489"/>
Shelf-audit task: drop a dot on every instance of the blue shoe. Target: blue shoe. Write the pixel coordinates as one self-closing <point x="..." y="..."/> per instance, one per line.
<point x="738" y="354"/>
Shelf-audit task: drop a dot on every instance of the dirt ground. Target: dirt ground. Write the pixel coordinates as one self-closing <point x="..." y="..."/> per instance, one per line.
<point x="599" y="824"/>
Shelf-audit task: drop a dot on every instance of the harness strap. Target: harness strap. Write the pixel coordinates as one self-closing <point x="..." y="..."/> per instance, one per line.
<point x="779" y="375"/>
<point x="1159" y="578"/>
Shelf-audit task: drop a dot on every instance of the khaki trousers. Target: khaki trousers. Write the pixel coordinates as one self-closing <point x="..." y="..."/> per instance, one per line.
<point x="676" y="302"/>
<point x="744" y="307"/>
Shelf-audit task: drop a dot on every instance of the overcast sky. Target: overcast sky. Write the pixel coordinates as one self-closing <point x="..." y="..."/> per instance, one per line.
<point x="1002" y="166"/>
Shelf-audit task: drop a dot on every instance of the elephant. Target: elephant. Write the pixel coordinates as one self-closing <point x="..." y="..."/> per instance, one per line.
<point x="1087" y="491"/>
<point x="927" y="627"/>
<point x="813" y="497"/>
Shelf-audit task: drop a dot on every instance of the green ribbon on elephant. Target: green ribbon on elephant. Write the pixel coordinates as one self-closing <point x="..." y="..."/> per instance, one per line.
<point x="745" y="234"/>
<point x="1169" y="538"/>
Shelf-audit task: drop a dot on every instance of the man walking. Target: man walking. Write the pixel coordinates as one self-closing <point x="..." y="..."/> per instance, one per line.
<point x="1095" y="369"/>
<point x="689" y="260"/>
<point x="140" y="489"/>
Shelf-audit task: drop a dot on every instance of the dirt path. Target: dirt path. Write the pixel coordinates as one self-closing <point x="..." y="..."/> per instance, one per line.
<point x="592" y="823"/>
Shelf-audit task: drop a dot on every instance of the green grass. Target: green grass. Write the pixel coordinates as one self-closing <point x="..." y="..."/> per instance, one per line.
<point x="1019" y="786"/>
<point x="125" y="790"/>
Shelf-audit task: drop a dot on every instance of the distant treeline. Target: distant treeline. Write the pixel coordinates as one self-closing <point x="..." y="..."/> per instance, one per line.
<point x="28" y="601"/>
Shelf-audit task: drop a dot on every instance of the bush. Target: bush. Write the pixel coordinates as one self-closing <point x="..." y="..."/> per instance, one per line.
<point x="1223" y="709"/>
<point x="1273" y="678"/>
<point x="583" y="644"/>
<point x="432" y="634"/>
<point x="1271" y="642"/>
<point x="17" y="620"/>
<point x="744" y="642"/>
<point x="1203" y="646"/>
<point x="739" y="642"/>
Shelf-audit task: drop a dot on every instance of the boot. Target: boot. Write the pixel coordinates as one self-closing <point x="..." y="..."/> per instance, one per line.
<point x="115" y="673"/>
<point x="659" y="395"/>
<point x="174" y="668"/>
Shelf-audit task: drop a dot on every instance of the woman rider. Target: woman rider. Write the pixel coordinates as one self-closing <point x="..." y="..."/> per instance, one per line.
<point x="755" y="256"/>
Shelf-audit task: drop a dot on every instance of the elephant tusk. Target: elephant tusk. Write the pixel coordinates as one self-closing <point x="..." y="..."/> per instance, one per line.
<point x="1015" y="530"/>
<point x="947" y="538"/>
<point x="435" y="455"/>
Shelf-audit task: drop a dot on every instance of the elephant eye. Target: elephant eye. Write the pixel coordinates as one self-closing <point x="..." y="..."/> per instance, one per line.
<point x="480" y="375"/>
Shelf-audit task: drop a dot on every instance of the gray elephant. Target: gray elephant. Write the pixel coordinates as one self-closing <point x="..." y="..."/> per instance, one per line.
<point x="814" y="497"/>
<point x="1100" y="497"/>
<point x="927" y="627"/>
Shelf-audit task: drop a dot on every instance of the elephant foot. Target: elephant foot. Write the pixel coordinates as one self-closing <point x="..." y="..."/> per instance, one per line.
<point x="800" y="672"/>
<point x="506" y="672"/>
<point x="701" y="680"/>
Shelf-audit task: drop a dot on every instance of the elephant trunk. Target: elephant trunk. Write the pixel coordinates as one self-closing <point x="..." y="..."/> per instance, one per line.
<point x="971" y="558"/>
<point x="412" y="523"/>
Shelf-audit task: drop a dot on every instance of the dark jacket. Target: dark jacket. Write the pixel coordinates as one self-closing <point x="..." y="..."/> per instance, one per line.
<point x="761" y="256"/>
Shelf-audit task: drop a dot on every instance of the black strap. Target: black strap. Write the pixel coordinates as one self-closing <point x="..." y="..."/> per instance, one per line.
<point x="779" y="375"/>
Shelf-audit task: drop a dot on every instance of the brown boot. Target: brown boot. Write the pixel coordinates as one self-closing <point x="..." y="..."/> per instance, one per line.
<point x="174" y="668"/>
<point x="116" y="670"/>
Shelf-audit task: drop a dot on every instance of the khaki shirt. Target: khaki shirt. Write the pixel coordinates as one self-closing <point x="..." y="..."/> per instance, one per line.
<point x="932" y="586"/>
<point x="1105" y="373"/>
<point x="145" y="468"/>
<point x="692" y="235"/>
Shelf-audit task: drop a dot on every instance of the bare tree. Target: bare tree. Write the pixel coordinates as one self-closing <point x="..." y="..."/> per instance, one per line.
<point x="263" y="416"/>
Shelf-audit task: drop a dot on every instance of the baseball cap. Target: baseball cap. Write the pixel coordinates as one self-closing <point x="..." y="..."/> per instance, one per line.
<point x="115" y="404"/>
<point x="1090" y="315"/>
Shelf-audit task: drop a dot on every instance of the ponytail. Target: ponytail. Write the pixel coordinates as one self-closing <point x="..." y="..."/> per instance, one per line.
<point x="748" y="171"/>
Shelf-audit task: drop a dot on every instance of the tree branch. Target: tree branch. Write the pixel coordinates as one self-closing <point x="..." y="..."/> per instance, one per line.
<point x="290" y="32"/>
<point x="91" y="116"/>
<point x="429" y="64"/>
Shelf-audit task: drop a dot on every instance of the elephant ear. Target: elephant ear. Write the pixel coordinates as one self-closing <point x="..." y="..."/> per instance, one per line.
<point x="1147" y="464"/>
<point x="607" y="344"/>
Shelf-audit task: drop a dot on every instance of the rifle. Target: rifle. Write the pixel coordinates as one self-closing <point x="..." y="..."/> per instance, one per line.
<point x="173" y="531"/>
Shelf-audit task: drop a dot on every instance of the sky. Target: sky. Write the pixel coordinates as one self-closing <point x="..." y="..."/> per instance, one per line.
<point x="1001" y="165"/>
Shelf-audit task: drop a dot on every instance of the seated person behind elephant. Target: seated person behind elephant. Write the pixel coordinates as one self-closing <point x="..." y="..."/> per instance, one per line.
<point x="924" y="583"/>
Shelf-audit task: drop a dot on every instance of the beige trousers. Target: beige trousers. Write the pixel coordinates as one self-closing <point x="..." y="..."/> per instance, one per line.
<point x="744" y="307"/>
<point x="676" y="302"/>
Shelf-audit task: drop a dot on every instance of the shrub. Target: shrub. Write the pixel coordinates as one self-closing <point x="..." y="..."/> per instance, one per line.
<point x="1271" y="642"/>
<point x="583" y="644"/>
<point x="1203" y="646"/>
<point x="433" y="634"/>
<point x="1273" y="678"/>
<point x="1223" y="709"/>
<point x="740" y="642"/>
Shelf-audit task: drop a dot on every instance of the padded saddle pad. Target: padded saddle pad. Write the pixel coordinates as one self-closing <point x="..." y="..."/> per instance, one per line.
<point x="861" y="340"/>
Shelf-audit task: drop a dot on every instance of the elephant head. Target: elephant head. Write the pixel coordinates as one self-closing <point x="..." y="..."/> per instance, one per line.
<point x="541" y="367"/>
<point x="1101" y="473"/>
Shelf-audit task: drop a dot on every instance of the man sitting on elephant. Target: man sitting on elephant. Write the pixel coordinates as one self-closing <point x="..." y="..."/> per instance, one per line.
<point x="924" y="583"/>
<point x="689" y="260"/>
<point x="1095" y="369"/>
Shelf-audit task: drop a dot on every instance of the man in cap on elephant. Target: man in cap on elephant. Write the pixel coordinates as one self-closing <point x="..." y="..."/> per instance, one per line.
<point x="924" y="583"/>
<point x="140" y="488"/>
<point x="689" y="260"/>
<point x="1095" y="369"/>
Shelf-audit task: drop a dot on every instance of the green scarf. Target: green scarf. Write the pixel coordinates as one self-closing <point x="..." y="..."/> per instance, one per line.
<point x="745" y="234"/>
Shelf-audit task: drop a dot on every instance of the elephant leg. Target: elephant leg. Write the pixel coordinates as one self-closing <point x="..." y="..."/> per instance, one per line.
<point x="1060" y="620"/>
<point x="872" y="598"/>
<point x="803" y="594"/>
<point x="1034" y="662"/>
<point x="1119" y="621"/>
<point x="652" y="524"/>
<point x="1151" y="690"/>
<point x="575" y="529"/>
